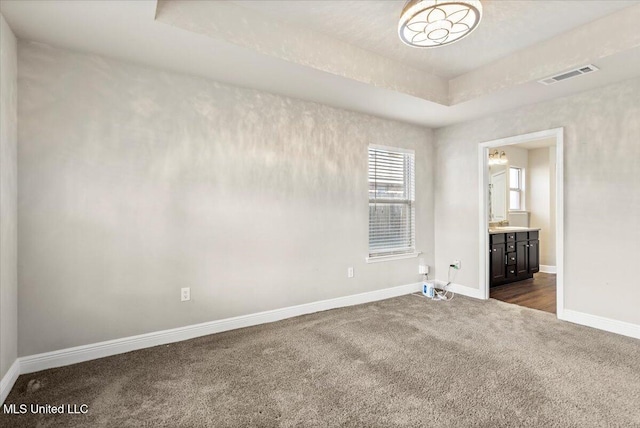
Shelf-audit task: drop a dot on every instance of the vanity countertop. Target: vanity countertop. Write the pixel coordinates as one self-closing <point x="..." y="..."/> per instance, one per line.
<point x="507" y="229"/>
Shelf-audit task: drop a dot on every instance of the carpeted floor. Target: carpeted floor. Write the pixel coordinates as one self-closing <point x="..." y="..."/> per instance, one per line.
<point x="400" y="362"/>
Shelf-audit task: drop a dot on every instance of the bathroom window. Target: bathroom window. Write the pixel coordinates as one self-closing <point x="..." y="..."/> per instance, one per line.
<point x="391" y="201"/>
<point x="516" y="189"/>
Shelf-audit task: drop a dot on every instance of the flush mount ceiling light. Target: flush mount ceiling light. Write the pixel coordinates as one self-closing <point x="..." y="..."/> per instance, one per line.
<point x="498" y="158"/>
<point x="433" y="23"/>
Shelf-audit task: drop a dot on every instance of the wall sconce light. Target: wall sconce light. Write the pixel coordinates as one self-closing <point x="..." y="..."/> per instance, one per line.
<point x="497" y="158"/>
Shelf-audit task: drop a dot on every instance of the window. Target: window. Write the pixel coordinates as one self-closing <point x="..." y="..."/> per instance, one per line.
<point x="516" y="189"/>
<point x="391" y="201"/>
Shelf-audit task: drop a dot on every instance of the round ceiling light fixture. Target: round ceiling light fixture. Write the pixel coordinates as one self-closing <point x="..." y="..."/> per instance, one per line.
<point x="433" y="23"/>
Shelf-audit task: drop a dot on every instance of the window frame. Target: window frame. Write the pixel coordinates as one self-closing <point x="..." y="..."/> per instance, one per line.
<point x="520" y="188"/>
<point x="409" y="184"/>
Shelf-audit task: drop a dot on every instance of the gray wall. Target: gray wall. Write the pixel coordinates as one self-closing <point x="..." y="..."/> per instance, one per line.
<point x="8" y="199"/>
<point x="602" y="202"/>
<point x="541" y="179"/>
<point x="135" y="182"/>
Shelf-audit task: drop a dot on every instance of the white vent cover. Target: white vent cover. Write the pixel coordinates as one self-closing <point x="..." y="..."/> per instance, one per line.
<point x="585" y="69"/>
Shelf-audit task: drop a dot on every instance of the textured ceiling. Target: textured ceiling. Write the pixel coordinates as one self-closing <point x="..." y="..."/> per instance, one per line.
<point x="249" y="50"/>
<point x="506" y="27"/>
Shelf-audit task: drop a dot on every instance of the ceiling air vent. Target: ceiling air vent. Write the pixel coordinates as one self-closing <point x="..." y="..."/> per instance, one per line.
<point x="569" y="74"/>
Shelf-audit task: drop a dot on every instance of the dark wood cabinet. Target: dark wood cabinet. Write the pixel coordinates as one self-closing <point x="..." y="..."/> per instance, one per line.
<point x="522" y="263"/>
<point x="513" y="256"/>
<point x="534" y="257"/>
<point x="498" y="266"/>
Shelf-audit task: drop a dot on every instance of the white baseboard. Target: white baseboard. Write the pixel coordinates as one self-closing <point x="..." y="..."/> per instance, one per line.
<point x="476" y="293"/>
<point x="548" y="269"/>
<point x="601" y="323"/>
<point x="93" y="351"/>
<point x="9" y="379"/>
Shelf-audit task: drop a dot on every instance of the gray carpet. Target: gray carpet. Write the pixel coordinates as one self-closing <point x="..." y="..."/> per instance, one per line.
<point x="399" y="362"/>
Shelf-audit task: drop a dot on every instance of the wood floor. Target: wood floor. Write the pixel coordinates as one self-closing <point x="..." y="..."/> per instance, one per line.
<point x="537" y="293"/>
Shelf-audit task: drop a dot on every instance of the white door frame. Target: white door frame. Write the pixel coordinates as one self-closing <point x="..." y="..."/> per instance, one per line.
<point x="483" y="191"/>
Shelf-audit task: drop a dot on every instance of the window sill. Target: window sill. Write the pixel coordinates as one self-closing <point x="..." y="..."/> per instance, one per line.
<point x="378" y="259"/>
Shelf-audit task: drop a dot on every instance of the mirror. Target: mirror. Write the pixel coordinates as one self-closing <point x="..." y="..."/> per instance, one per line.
<point x="498" y="193"/>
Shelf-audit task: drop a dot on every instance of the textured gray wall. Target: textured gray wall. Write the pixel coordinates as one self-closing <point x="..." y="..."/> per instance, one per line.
<point x="539" y="193"/>
<point x="8" y="199"/>
<point x="136" y="182"/>
<point x="602" y="202"/>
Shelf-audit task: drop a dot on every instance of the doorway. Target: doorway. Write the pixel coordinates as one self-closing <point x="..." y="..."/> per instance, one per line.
<point x="543" y="289"/>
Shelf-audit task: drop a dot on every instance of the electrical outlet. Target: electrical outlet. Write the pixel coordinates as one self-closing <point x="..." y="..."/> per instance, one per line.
<point x="185" y="294"/>
<point x="350" y="272"/>
<point x="456" y="264"/>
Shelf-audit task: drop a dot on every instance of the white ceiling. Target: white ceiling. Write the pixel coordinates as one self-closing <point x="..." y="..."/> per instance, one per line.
<point x="132" y="31"/>
<point x="507" y="26"/>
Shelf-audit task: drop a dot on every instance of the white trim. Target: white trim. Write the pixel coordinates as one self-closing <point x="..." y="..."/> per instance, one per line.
<point x="483" y="196"/>
<point x="9" y="379"/>
<point x="560" y="221"/>
<point x="548" y="269"/>
<point x="476" y="293"/>
<point x="602" y="323"/>
<point x="377" y="259"/>
<point x="392" y="149"/>
<point x="64" y="357"/>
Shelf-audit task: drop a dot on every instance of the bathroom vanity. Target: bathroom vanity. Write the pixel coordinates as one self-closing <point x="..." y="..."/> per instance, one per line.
<point x="514" y="254"/>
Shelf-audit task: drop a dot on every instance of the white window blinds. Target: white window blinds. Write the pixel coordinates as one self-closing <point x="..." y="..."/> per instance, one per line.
<point x="391" y="201"/>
